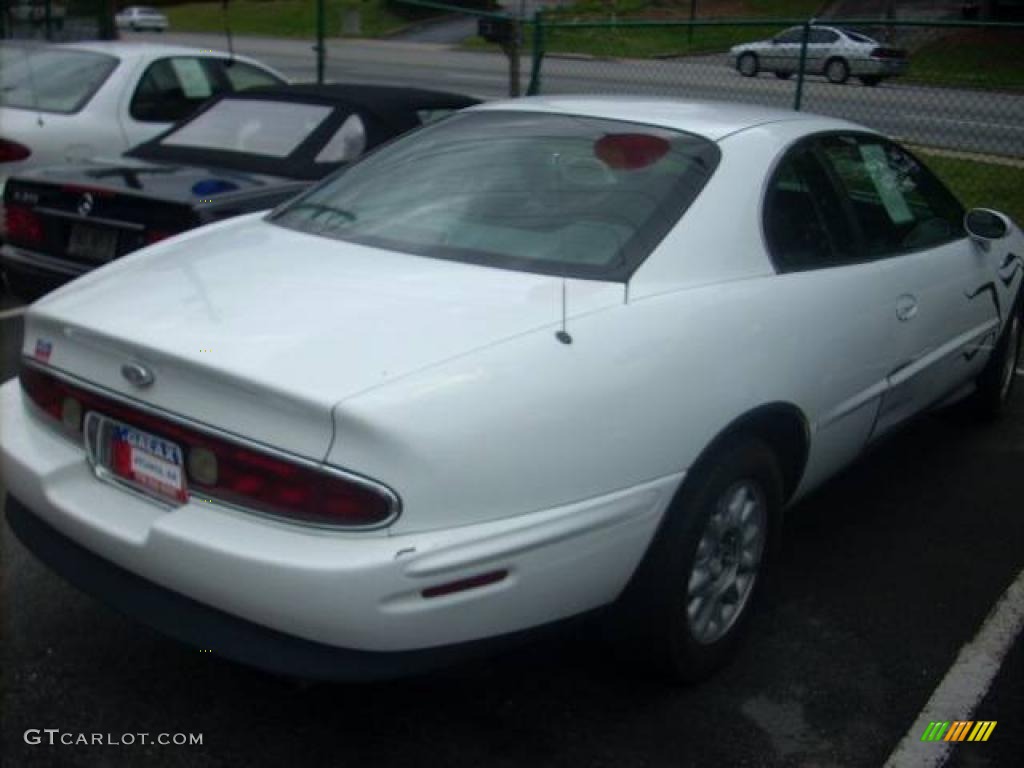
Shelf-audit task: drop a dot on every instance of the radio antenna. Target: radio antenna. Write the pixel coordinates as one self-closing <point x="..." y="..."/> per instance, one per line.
<point x="563" y="335"/>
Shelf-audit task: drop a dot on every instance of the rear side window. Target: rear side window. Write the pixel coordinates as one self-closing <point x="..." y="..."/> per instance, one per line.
<point x="173" y="88"/>
<point x="805" y="224"/>
<point x="242" y="76"/>
<point x="898" y="204"/>
<point x="51" y="80"/>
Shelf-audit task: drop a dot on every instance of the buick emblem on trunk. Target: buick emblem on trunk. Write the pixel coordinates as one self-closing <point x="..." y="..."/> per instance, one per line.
<point x="137" y="374"/>
<point x="85" y="205"/>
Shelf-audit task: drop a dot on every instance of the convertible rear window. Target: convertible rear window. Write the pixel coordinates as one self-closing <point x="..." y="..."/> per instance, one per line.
<point x="271" y="128"/>
<point x="555" y="194"/>
<point x="50" y="80"/>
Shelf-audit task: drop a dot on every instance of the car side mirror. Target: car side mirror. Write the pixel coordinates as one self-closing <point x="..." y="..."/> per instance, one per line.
<point x="986" y="225"/>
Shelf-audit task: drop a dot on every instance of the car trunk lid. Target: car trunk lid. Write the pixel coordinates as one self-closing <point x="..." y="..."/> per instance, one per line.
<point x="260" y="330"/>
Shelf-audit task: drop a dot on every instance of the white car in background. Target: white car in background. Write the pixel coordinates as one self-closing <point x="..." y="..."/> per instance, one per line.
<point x="580" y="356"/>
<point x="71" y="102"/>
<point x="138" y="18"/>
<point x="834" y="52"/>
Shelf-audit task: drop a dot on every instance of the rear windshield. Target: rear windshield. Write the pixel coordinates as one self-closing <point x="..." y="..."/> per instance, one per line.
<point x="555" y="194"/>
<point x="50" y="79"/>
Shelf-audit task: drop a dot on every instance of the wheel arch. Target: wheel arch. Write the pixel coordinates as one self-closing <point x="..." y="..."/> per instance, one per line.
<point x="783" y="427"/>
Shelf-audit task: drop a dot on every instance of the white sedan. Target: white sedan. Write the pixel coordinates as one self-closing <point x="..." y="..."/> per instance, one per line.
<point x="581" y="358"/>
<point x="71" y="102"/>
<point x="137" y="18"/>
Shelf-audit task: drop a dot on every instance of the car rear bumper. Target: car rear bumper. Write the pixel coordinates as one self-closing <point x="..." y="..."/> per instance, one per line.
<point x="361" y="592"/>
<point x="204" y="627"/>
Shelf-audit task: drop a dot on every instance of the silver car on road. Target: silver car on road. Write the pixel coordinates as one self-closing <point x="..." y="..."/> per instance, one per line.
<point x="834" y="52"/>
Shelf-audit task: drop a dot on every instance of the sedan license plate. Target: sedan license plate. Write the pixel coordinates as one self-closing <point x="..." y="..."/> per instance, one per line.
<point x="146" y="462"/>
<point x="93" y="243"/>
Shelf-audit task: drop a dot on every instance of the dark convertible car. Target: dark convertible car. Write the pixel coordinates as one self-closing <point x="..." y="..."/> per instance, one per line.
<point x="241" y="153"/>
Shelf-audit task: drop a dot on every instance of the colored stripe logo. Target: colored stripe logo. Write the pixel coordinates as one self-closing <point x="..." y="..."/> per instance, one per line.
<point x="959" y="730"/>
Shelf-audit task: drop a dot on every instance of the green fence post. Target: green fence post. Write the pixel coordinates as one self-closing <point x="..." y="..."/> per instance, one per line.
<point x="48" y="20"/>
<point x="319" y="47"/>
<point x="538" y="54"/>
<point x="803" y="65"/>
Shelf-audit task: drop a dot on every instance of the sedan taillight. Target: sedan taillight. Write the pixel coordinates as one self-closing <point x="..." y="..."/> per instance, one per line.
<point x="224" y="470"/>
<point x="12" y="151"/>
<point x="23" y="225"/>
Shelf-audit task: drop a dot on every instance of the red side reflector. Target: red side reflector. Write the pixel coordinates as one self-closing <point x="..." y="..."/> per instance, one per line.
<point x="473" y="582"/>
<point x="23" y="225"/>
<point x="12" y="151"/>
<point x="630" y="151"/>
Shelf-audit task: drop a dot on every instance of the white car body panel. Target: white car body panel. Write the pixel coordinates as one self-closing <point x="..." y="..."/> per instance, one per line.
<point x="509" y="448"/>
<point x="359" y="591"/>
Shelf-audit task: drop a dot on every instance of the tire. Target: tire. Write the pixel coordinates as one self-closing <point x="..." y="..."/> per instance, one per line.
<point x="748" y="65"/>
<point x="783" y="75"/>
<point x="837" y="71"/>
<point x="996" y="384"/>
<point x="870" y="80"/>
<point x="701" y="542"/>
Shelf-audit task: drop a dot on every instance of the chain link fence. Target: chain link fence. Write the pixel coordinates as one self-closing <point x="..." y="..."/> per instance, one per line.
<point x="952" y="90"/>
<point x="57" y="20"/>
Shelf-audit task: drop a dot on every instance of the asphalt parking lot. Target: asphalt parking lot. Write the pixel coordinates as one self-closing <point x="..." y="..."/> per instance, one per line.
<point x="884" y="576"/>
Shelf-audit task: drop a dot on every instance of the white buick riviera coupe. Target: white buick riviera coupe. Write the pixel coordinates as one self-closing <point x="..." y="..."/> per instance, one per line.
<point x="538" y="359"/>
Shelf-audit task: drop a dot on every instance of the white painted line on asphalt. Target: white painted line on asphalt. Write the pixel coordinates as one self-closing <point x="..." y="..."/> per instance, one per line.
<point x="9" y="313"/>
<point x="966" y="682"/>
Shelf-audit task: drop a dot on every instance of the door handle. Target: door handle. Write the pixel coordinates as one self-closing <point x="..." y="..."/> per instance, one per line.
<point x="906" y="307"/>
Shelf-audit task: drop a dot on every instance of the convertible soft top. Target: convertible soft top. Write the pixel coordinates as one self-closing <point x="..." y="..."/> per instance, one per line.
<point x="386" y="111"/>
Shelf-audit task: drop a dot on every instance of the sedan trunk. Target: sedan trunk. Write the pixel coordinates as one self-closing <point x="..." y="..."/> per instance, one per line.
<point x="260" y="330"/>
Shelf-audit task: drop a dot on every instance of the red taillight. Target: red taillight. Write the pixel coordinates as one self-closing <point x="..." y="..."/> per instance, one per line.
<point x="23" y="225"/>
<point x="156" y="235"/>
<point x="12" y="151"/>
<point x="225" y="470"/>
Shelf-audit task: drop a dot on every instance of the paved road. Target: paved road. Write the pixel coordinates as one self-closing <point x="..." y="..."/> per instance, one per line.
<point x="450" y="29"/>
<point x="884" y="575"/>
<point x="987" y="122"/>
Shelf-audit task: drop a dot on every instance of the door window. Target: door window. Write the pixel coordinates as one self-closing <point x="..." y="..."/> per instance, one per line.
<point x="898" y="204"/>
<point x="805" y="224"/>
<point x="173" y="88"/>
<point x="822" y="36"/>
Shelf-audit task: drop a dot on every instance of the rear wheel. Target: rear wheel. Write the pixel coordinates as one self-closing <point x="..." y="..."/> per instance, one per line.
<point x="748" y="65"/>
<point x="837" y="71"/>
<point x="690" y="602"/>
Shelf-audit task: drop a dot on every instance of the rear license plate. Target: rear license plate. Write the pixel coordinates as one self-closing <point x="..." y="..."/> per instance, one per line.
<point x="93" y="243"/>
<point x="144" y="461"/>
